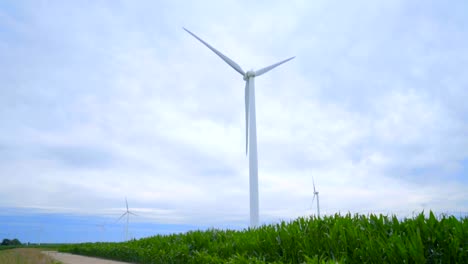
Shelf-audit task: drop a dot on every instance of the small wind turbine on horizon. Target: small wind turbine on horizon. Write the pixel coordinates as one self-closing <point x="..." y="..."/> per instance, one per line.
<point x="102" y="226"/>
<point x="316" y="193"/>
<point x="39" y="232"/>
<point x="250" y="124"/>
<point x="127" y="213"/>
<point x="102" y="229"/>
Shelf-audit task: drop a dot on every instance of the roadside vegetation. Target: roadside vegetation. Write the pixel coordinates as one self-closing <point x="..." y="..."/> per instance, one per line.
<point x="331" y="239"/>
<point x="10" y="242"/>
<point x="25" y="256"/>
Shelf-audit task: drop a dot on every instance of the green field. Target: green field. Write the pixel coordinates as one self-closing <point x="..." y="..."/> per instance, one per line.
<point x="343" y="239"/>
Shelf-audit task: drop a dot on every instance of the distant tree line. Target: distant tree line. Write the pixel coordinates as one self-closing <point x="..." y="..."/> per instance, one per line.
<point x="12" y="242"/>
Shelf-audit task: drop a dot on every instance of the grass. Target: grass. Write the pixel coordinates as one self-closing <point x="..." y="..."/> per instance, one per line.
<point x="343" y="239"/>
<point x="25" y="256"/>
<point x="7" y="247"/>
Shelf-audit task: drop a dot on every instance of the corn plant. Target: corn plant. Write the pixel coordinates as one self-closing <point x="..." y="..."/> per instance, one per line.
<point x="338" y="238"/>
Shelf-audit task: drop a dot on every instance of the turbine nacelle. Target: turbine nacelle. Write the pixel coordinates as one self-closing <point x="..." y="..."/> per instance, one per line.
<point x="249" y="74"/>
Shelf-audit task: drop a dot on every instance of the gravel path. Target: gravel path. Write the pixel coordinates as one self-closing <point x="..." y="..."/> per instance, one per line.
<point x="77" y="259"/>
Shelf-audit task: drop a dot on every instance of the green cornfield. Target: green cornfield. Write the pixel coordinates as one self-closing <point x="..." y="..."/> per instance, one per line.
<point x="331" y="239"/>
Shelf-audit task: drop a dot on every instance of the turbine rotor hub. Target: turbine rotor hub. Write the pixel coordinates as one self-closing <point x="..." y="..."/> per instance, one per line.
<point x="249" y="74"/>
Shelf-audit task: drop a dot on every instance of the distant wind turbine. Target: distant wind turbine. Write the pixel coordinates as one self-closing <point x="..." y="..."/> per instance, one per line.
<point x="316" y="193"/>
<point x="127" y="213"/>
<point x="101" y="226"/>
<point x="40" y="231"/>
<point x="250" y="124"/>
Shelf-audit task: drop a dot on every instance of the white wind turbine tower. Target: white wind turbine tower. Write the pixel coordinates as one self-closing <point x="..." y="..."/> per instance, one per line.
<point x="250" y="124"/>
<point x="316" y="193"/>
<point x="127" y="213"/>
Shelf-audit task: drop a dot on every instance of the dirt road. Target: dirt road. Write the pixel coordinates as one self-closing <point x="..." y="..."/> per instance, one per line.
<point x="77" y="259"/>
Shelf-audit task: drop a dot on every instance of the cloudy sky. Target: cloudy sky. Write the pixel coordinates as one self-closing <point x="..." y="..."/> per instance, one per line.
<point x="102" y="100"/>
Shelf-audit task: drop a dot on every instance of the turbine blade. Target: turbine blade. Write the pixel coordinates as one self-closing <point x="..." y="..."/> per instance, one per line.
<point x="313" y="182"/>
<point x="271" y="67"/>
<point x="132" y="213"/>
<point x="231" y="63"/>
<point x="246" y="115"/>
<point x="126" y="203"/>
<point x="313" y="198"/>
<point x="121" y="217"/>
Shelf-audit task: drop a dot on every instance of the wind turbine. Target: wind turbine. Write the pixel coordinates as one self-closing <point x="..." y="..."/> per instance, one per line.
<point x="316" y="193"/>
<point x="127" y="213"/>
<point x="250" y="123"/>
<point x="102" y="226"/>
<point x="102" y="229"/>
<point x="40" y="231"/>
